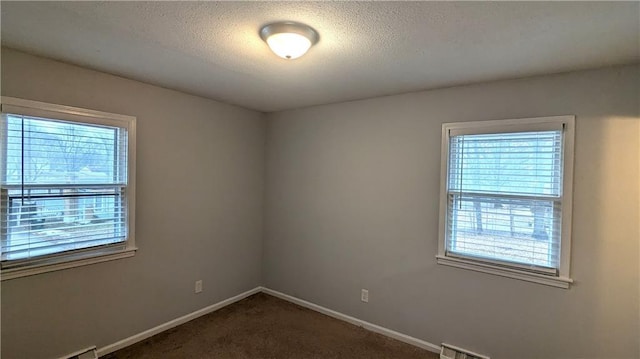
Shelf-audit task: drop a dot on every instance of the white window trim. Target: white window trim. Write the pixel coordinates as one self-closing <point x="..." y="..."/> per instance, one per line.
<point x="562" y="280"/>
<point x="80" y="258"/>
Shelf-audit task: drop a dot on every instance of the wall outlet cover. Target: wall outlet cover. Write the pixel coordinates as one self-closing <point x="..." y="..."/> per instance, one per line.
<point x="364" y="296"/>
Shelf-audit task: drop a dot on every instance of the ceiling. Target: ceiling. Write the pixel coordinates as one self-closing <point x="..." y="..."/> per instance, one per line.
<point x="366" y="49"/>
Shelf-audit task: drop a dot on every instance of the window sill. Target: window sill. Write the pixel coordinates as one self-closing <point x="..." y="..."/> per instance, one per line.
<point x="559" y="282"/>
<point x="12" y="273"/>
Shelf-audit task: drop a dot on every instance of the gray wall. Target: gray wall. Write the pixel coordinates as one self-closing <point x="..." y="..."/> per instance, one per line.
<point x="200" y="175"/>
<point x="352" y="202"/>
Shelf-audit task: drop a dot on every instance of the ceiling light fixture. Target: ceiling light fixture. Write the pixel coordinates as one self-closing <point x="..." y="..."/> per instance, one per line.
<point x="289" y="40"/>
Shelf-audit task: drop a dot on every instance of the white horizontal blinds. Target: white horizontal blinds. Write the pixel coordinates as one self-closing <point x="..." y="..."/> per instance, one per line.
<point x="523" y="164"/>
<point x="40" y="151"/>
<point x="65" y="185"/>
<point x="504" y="198"/>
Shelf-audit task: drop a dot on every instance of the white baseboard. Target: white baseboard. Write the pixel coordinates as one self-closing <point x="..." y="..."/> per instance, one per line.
<point x="82" y="351"/>
<point x="212" y="308"/>
<point x="174" y="323"/>
<point x="359" y="322"/>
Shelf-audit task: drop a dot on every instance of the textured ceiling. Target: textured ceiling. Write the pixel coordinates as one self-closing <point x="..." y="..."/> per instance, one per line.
<point x="366" y="49"/>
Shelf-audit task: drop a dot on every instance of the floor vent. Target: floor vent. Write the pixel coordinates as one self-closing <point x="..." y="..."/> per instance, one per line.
<point x="89" y="353"/>
<point x="450" y="352"/>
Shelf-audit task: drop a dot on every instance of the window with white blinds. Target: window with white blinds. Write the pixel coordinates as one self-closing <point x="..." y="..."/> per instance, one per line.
<point x="65" y="182"/>
<point x="504" y="199"/>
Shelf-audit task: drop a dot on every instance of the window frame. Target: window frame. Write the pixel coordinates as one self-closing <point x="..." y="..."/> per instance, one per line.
<point x="562" y="279"/>
<point x="90" y="255"/>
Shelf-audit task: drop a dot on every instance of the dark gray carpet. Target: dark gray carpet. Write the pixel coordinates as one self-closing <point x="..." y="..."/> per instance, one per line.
<point x="263" y="326"/>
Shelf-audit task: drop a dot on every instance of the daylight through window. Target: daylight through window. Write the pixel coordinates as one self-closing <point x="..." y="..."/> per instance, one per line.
<point x="505" y="194"/>
<point x="64" y="187"/>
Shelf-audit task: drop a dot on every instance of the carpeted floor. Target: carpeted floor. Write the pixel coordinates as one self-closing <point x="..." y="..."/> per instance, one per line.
<point x="263" y="326"/>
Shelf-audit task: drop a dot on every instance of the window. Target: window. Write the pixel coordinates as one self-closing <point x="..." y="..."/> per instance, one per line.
<point x="66" y="176"/>
<point x="505" y="202"/>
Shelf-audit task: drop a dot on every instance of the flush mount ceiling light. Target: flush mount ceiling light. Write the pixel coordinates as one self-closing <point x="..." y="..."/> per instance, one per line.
<point x="289" y="40"/>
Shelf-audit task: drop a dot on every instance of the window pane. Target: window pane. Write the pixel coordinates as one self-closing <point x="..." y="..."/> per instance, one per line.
<point x="505" y="229"/>
<point x="50" y="221"/>
<point x="55" y="152"/>
<point x="64" y="186"/>
<point x="526" y="163"/>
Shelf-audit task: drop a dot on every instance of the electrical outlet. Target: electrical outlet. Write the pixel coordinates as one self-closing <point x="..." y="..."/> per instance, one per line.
<point x="198" y="286"/>
<point x="364" y="296"/>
